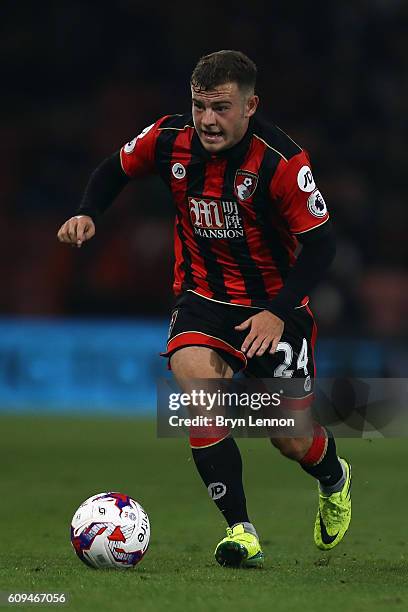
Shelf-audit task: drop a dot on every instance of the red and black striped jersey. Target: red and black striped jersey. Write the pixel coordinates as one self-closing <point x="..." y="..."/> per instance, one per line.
<point x="237" y="212"/>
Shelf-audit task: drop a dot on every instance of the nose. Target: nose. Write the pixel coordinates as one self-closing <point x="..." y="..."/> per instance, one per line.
<point x="208" y="118"/>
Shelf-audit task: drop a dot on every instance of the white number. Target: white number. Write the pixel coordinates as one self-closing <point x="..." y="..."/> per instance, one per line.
<point x="282" y="369"/>
<point x="303" y="358"/>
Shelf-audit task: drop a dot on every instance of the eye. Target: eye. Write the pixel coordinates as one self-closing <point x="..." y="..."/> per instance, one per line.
<point x="221" y="109"/>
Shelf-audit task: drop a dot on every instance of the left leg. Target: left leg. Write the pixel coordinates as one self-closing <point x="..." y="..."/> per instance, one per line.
<point x="318" y="457"/>
<point x="315" y="450"/>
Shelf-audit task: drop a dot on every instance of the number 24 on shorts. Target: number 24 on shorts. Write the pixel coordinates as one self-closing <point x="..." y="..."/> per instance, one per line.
<point x="283" y="369"/>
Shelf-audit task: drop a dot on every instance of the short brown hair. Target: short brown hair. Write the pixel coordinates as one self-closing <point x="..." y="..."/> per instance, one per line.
<point x="224" y="67"/>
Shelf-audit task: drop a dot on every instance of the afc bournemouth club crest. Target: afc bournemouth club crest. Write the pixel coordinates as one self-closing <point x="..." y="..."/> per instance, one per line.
<point x="245" y="184"/>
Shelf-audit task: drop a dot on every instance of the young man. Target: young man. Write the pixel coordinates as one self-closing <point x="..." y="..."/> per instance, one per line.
<point x="245" y="197"/>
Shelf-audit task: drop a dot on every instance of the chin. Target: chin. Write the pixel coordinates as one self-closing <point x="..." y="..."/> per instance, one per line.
<point x="214" y="148"/>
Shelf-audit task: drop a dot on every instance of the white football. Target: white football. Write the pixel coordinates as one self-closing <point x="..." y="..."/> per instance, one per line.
<point x="110" y="530"/>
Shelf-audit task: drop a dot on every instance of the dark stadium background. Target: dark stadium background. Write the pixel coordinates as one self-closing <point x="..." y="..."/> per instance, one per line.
<point x="80" y="330"/>
<point x="79" y="79"/>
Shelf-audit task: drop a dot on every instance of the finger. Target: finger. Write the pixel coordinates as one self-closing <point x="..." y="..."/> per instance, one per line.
<point x="247" y="342"/>
<point x="244" y="325"/>
<point x="254" y="347"/>
<point x="264" y="346"/>
<point x="85" y="231"/>
<point x="275" y="343"/>
<point x="80" y="233"/>
<point x="89" y="230"/>
<point x="62" y="234"/>
<point x="72" y="230"/>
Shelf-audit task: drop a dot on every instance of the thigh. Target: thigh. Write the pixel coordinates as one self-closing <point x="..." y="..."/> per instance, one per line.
<point x="198" y="322"/>
<point x="198" y="362"/>
<point x="199" y="369"/>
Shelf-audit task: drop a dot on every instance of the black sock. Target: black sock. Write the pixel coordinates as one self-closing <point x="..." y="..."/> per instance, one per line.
<point x="220" y="467"/>
<point x="329" y="470"/>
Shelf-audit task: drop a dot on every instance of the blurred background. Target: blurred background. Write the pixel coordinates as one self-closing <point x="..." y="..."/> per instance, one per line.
<point x="84" y="327"/>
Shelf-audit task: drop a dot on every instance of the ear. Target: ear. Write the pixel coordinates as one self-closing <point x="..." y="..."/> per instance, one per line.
<point x="251" y="106"/>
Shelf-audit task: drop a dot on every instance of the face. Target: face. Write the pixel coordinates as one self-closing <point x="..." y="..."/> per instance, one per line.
<point x="221" y="115"/>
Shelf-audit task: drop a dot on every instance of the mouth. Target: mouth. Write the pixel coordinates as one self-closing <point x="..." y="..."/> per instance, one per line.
<point x="212" y="137"/>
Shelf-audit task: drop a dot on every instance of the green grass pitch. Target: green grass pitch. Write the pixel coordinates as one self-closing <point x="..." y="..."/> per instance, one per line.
<point x="50" y="465"/>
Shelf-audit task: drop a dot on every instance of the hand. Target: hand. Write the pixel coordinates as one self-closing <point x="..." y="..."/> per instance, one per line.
<point x="266" y="329"/>
<point x="76" y="230"/>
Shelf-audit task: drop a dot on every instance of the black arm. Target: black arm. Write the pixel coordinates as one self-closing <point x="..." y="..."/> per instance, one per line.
<point x="315" y="258"/>
<point x="104" y="185"/>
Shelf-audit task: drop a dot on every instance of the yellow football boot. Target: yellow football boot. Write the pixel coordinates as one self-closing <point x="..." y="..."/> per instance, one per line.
<point x="334" y="514"/>
<point x="239" y="549"/>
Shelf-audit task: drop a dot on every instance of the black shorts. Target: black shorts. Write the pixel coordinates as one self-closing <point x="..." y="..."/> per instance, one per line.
<point x="198" y="321"/>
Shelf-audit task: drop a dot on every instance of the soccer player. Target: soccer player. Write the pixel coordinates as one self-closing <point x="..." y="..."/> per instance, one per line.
<point x="244" y="197"/>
